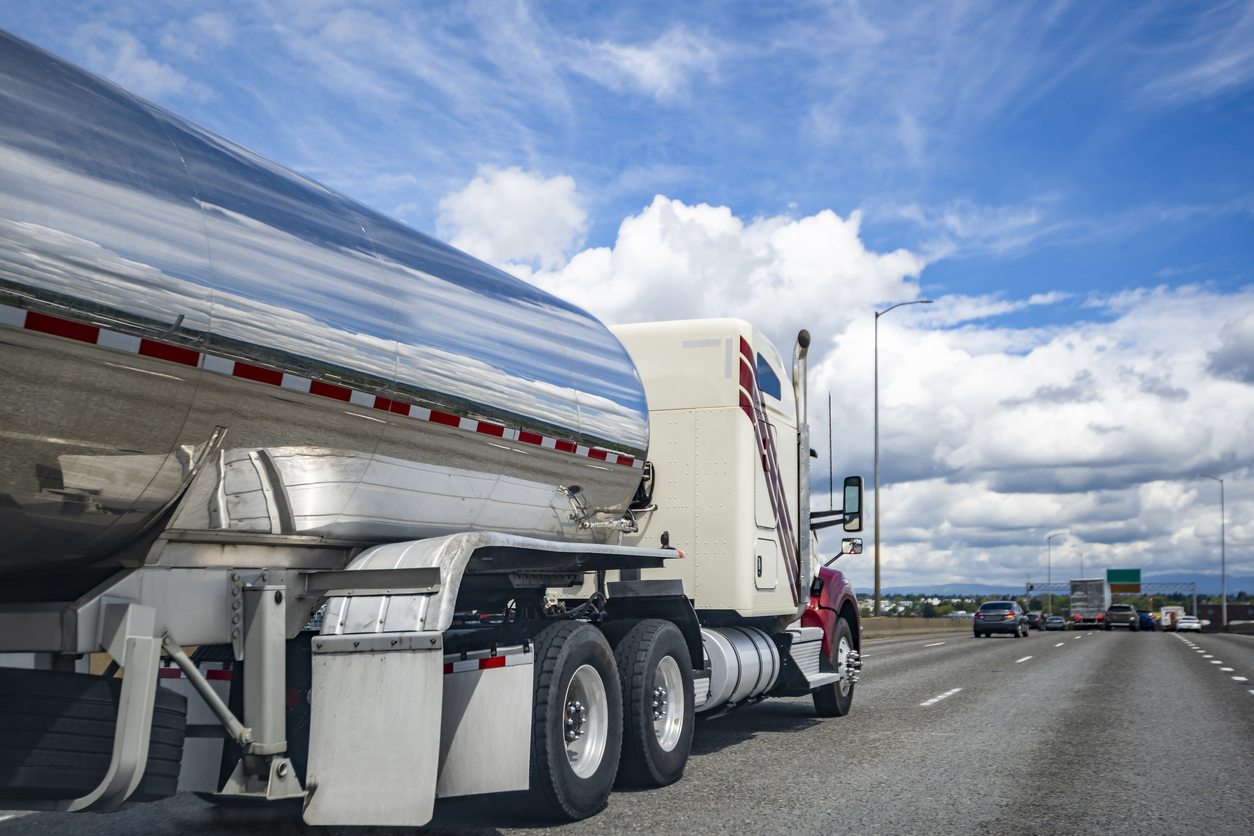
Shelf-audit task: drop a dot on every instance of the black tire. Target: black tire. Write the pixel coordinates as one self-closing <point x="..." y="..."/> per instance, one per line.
<point x="836" y="699"/>
<point x="639" y="654"/>
<point x="557" y="791"/>
<point x="56" y="736"/>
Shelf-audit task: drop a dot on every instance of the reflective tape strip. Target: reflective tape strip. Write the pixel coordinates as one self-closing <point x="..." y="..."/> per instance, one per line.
<point x="503" y="660"/>
<point x="81" y="332"/>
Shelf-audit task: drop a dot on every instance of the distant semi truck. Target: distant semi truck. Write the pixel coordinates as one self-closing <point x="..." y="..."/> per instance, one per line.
<point x="1090" y="598"/>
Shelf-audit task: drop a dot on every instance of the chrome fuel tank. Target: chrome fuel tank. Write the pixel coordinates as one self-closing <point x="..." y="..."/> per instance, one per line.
<point x="188" y="327"/>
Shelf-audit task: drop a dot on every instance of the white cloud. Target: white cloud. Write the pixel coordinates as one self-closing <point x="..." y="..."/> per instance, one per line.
<point x="122" y="58"/>
<point x="675" y="261"/>
<point x="1096" y="428"/>
<point x="515" y="217"/>
<point x="661" y="69"/>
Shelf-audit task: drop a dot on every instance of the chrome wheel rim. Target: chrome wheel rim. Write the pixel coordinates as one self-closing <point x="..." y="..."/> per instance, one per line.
<point x="667" y="703"/>
<point x="842" y="660"/>
<point x="585" y="721"/>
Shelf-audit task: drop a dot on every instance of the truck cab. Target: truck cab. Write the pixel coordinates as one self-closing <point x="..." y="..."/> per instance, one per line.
<point x="724" y="481"/>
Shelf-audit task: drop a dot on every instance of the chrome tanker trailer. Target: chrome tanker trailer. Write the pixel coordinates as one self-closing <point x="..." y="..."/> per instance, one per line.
<point x="235" y="400"/>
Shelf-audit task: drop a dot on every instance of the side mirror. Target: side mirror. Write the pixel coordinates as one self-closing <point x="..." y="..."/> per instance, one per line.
<point x="853" y="504"/>
<point x="851" y="545"/>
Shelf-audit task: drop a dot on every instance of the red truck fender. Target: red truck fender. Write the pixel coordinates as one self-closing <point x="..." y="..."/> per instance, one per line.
<point x="832" y="597"/>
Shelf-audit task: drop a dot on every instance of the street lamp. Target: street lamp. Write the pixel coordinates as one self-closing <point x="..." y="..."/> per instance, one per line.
<point x="1049" y="589"/>
<point x="878" y="314"/>
<point x="1223" y="569"/>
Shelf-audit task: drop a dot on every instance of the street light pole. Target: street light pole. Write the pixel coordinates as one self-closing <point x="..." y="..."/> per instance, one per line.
<point x="1049" y="568"/>
<point x="878" y="314"/>
<point x="1223" y="560"/>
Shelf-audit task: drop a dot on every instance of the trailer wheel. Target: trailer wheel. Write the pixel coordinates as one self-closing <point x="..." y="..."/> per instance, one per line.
<point x="834" y="700"/>
<point x="576" y="722"/>
<point x="658" y="706"/>
<point x="56" y="736"/>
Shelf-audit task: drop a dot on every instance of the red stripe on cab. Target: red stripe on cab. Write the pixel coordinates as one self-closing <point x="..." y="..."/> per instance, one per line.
<point x="746" y="406"/>
<point x="746" y="350"/>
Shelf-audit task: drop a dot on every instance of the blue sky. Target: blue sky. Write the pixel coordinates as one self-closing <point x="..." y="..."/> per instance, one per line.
<point x="1072" y="182"/>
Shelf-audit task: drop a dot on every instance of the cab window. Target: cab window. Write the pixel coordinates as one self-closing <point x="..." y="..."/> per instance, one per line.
<point x="768" y="382"/>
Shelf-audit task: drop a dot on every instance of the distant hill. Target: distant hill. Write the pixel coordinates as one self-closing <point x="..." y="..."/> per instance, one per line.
<point x="1206" y="585"/>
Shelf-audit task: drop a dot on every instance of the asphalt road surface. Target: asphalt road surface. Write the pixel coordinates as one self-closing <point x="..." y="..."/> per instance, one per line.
<point x="1073" y="733"/>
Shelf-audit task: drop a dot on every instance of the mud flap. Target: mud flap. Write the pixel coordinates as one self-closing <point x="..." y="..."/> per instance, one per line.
<point x="374" y="736"/>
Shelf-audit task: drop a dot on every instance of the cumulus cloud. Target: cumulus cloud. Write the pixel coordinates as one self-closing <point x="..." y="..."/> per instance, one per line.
<point x="675" y="261"/>
<point x="1097" y="428"/>
<point x="514" y="217"/>
<point x="1234" y="359"/>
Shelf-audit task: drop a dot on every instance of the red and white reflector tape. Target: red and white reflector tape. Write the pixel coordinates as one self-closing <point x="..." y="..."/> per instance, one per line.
<point x="482" y="660"/>
<point x="45" y="324"/>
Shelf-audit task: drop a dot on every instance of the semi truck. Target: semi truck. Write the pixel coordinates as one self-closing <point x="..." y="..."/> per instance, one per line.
<point x="431" y="531"/>
<point x="1090" y="599"/>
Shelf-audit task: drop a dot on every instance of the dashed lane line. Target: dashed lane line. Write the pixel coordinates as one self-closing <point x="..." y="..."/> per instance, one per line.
<point x="935" y="644"/>
<point x="1024" y="659"/>
<point x="935" y="700"/>
<point x="1060" y="644"/>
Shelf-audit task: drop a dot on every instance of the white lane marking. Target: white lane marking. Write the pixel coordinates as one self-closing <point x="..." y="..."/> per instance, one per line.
<point x="1226" y="670"/>
<point x="935" y="700"/>
<point x="1215" y="662"/>
<point x="142" y="371"/>
<point x="1060" y="644"/>
<point x="1079" y="637"/>
<point x="1207" y="656"/>
<point x="367" y="417"/>
<point x="937" y="644"/>
<point x="1024" y="659"/>
<point x="1241" y="678"/>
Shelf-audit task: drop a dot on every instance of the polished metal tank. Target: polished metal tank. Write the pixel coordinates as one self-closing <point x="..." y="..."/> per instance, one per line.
<point x="194" y="338"/>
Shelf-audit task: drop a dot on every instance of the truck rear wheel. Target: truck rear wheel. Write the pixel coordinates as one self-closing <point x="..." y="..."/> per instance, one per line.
<point x="655" y="670"/>
<point x="834" y="700"/>
<point x="56" y="736"/>
<point x="576" y="722"/>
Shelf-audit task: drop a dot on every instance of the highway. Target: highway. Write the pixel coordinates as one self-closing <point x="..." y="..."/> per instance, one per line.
<point x="1059" y="733"/>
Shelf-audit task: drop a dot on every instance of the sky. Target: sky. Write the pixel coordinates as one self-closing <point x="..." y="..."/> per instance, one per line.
<point x="1071" y="183"/>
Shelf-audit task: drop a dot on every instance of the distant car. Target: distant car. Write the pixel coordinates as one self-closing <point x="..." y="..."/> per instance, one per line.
<point x="1001" y="617"/>
<point x="1189" y="622"/>
<point x="1122" y="615"/>
<point x="1148" y="622"/>
<point x="1056" y="622"/>
<point x="1036" y="621"/>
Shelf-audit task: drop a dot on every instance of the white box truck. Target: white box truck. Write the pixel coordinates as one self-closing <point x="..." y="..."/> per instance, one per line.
<point x="235" y="400"/>
<point x="1090" y="599"/>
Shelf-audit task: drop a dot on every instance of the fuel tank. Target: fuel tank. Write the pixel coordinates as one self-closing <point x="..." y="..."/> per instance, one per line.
<point x="196" y="338"/>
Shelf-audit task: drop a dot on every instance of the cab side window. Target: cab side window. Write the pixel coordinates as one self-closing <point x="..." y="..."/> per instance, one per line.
<point x="768" y="381"/>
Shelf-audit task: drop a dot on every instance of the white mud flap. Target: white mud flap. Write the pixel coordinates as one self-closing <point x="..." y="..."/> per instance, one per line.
<point x="374" y="737"/>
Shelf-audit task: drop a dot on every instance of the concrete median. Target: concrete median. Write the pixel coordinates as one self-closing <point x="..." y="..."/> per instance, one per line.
<point x="888" y="627"/>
